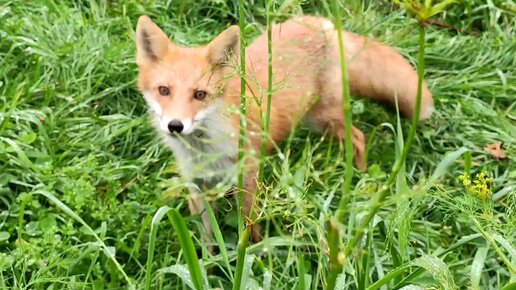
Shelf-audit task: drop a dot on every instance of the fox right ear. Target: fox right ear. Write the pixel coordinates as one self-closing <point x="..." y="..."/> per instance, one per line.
<point x="151" y="42"/>
<point x="225" y="46"/>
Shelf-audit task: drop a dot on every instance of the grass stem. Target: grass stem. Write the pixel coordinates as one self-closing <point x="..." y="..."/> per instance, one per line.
<point x="489" y="238"/>
<point x="243" y="241"/>
<point x="346" y="107"/>
<point x="243" y="114"/>
<point x="266" y="125"/>
<point x="333" y="230"/>
<point x="243" y="232"/>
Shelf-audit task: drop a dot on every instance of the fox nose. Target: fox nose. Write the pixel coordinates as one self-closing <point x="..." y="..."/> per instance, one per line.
<point x="175" y="126"/>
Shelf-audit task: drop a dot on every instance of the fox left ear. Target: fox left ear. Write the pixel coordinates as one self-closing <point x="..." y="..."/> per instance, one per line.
<point x="225" y="46"/>
<point x="151" y="42"/>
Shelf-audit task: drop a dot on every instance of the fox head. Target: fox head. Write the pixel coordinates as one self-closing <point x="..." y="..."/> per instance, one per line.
<point x="182" y="86"/>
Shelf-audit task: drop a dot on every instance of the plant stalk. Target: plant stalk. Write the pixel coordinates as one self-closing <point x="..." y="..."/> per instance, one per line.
<point x="266" y="125"/>
<point x="333" y="243"/>
<point x="346" y="107"/>
<point x="333" y="229"/>
<point x="399" y="163"/>
<point x="243" y="241"/>
<point x="243" y="117"/>
<point x="243" y="232"/>
<point x="492" y="242"/>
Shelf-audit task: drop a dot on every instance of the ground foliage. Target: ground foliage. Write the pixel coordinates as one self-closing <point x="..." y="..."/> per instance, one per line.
<point x="74" y="127"/>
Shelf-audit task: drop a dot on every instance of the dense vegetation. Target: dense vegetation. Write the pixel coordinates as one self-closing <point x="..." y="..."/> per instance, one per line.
<point x="82" y="173"/>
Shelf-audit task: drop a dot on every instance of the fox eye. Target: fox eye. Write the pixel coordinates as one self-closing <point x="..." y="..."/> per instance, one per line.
<point x="200" y="95"/>
<point x="164" y="91"/>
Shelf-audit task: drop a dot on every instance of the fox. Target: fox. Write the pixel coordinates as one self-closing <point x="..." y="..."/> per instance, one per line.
<point x="193" y="94"/>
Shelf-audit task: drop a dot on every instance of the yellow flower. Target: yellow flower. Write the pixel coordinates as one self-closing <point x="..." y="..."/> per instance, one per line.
<point x="465" y="180"/>
<point x="480" y="187"/>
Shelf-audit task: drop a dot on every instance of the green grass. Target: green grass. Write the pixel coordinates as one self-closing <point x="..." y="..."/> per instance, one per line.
<point x="84" y="180"/>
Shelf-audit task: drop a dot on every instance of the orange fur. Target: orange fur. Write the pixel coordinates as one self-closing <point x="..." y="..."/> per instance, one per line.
<point x="307" y="78"/>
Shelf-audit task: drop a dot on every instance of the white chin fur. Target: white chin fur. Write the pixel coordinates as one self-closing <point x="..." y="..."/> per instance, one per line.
<point x="209" y="156"/>
<point x="188" y="127"/>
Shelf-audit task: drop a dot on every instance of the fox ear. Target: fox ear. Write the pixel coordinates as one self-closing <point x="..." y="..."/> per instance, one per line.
<point x="225" y="46"/>
<point x="151" y="42"/>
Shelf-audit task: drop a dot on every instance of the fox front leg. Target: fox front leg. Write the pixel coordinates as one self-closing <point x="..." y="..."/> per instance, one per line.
<point x="250" y="208"/>
<point x="196" y="206"/>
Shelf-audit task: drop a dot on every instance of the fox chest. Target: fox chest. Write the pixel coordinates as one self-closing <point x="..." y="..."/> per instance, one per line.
<point x="205" y="161"/>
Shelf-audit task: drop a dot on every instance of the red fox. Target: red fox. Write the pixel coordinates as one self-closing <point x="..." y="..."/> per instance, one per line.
<point x="193" y="93"/>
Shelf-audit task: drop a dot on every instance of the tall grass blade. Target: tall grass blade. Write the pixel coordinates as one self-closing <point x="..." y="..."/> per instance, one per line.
<point x="187" y="245"/>
<point x="363" y="267"/>
<point x="218" y="236"/>
<point x="301" y="272"/>
<point x="103" y="229"/>
<point x="156" y="219"/>
<point x="389" y="276"/>
<point x="477" y="266"/>
<point x="12" y="107"/>
<point x="401" y="179"/>
<point x="467" y="162"/>
<point x="450" y="158"/>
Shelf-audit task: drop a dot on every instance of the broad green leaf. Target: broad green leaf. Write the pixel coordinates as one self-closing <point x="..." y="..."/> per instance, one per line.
<point x="341" y="282"/>
<point x="28" y="138"/>
<point x="507" y="245"/>
<point x="182" y="272"/>
<point x="246" y="273"/>
<point x="267" y="280"/>
<point x="47" y="223"/>
<point x="437" y="268"/>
